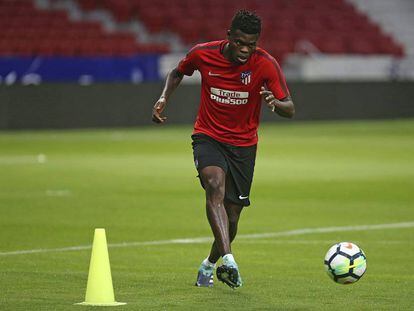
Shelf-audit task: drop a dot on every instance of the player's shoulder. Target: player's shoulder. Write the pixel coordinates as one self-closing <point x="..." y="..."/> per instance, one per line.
<point x="207" y="46"/>
<point x="263" y="56"/>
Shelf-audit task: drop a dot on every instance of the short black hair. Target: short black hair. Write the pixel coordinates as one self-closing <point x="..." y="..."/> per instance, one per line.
<point x="246" y="21"/>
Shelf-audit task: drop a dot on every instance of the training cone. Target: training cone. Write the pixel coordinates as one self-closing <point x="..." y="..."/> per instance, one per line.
<point x="99" y="290"/>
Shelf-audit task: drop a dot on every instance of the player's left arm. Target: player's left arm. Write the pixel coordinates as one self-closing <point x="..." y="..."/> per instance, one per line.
<point x="283" y="107"/>
<point x="276" y="93"/>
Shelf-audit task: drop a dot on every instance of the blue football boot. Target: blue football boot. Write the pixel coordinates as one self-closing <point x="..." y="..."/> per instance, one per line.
<point x="205" y="276"/>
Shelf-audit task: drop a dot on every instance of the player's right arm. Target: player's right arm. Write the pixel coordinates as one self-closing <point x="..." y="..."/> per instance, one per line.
<point x="186" y="67"/>
<point x="172" y="81"/>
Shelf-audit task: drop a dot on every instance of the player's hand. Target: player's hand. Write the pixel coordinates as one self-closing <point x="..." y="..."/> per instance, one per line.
<point x="158" y="109"/>
<point x="269" y="98"/>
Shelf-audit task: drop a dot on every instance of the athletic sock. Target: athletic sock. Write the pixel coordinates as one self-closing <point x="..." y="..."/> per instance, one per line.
<point x="229" y="259"/>
<point x="208" y="264"/>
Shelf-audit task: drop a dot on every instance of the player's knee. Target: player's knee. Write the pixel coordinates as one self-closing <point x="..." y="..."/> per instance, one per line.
<point x="214" y="184"/>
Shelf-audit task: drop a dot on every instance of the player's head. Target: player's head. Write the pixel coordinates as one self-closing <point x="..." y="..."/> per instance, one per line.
<point x="243" y="35"/>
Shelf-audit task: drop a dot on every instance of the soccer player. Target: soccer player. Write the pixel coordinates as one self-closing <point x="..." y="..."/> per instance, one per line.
<point x="236" y="76"/>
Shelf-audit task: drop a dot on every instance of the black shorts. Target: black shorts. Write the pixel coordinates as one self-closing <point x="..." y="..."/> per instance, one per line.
<point x="237" y="163"/>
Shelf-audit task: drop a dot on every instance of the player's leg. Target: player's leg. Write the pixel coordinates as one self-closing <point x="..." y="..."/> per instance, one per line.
<point x="233" y="213"/>
<point x="212" y="168"/>
<point x="240" y="161"/>
<point x="212" y="164"/>
<point x="228" y="272"/>
<point x="213" y="181"/>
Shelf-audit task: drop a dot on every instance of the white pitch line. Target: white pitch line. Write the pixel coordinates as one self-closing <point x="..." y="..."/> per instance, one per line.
<point x="317" y="242"/>
<point x="23" y="159"/>
<point x="304" y="231"/>
<point x="58" y="193"/>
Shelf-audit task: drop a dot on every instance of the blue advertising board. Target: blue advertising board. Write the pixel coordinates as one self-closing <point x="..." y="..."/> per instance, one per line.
<point x="84" y="70"/>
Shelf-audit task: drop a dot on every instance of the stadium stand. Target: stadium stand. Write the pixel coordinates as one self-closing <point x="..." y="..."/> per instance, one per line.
<point x="332" y="26"/>
<point x="28" y="31"/>
<point x="395" y="17"/>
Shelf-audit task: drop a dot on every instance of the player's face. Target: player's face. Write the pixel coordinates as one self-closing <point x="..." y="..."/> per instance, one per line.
<point x="241" y="45"/>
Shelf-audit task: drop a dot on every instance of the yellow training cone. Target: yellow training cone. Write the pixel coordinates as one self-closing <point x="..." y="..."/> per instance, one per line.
<point x="99" y="290"/>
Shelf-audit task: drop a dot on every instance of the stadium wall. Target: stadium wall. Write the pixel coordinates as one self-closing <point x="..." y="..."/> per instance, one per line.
<point x="118" y="105"/>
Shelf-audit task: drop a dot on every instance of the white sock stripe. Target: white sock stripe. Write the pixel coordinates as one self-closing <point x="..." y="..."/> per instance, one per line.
<point x="209" y="239"/>
<point x="207" y="263"/>
<point x="228" y="258"/>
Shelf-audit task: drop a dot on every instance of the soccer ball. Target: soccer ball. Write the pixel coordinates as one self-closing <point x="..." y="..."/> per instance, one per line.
<point x="345" y="263"/>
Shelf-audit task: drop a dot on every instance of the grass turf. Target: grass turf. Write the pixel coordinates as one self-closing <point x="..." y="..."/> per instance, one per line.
<point x="140" y="184"/>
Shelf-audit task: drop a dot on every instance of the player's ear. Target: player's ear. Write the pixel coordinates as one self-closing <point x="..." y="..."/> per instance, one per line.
<point x="228" y="34"/>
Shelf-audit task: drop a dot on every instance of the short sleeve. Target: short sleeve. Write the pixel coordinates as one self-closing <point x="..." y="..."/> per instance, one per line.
<point x="188" y="64"/>
<point x="276" y="81"/>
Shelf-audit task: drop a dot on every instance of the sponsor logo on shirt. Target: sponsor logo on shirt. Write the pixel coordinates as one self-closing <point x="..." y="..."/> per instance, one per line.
<point x="245" y="77"/>
<point x="229" y="97"/>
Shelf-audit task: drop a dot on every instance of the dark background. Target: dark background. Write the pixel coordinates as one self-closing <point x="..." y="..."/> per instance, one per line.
<point x="120" y="105"/>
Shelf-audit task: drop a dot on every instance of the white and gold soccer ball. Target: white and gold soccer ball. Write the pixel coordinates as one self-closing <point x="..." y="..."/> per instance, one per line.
<point x="345" y="263"/>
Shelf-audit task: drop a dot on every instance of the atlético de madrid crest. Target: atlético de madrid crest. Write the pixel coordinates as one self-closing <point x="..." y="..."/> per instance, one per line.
<point x="245" y="77"/>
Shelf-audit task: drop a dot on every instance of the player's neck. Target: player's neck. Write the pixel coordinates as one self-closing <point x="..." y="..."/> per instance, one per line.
<point x="227" y="54"/>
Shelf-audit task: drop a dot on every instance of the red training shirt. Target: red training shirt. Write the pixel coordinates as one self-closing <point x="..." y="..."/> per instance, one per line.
<point x="230" y="100"/>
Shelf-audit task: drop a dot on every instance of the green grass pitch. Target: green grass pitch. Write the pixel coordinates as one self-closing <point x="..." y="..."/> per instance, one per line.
<point x="140" y="184"/>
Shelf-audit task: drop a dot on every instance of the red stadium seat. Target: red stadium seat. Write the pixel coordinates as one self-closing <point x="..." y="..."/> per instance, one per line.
<point x="326" y="23"/>
<point x="333" y="26"/>
<point x="28" y="31"/>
